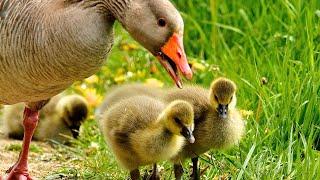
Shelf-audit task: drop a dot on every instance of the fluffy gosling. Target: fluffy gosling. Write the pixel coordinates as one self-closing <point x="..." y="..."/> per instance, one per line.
<point x="61" y="119"/>
<point x="121" y="92"/>
<point x="218" y="124"/>
<point x="141" y="130"/>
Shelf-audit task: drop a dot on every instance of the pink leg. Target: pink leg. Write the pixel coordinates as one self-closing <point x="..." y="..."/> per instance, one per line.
<point x="20" y="170"/>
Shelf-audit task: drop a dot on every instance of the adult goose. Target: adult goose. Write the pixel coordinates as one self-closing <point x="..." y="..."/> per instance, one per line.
<point x="46" y="45"/>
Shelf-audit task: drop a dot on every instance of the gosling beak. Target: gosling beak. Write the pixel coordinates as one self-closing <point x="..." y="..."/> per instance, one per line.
<point x="75" y="131"/>
<point x="223" y="110"/>
<point x="173" y="58"/>
<point x="187" y="133"/>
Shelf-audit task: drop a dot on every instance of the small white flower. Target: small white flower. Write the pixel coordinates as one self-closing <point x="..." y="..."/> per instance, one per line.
<point x="129" y="74"/>
<point x="83" y="86"/>
<point x="94" y="145"/>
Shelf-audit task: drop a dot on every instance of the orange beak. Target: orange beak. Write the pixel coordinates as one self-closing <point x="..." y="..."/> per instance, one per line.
<point x="173" y="58"/>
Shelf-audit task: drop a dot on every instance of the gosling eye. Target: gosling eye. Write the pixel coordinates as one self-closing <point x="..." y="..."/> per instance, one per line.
<point x="162" y="22"/>
<point x="231" y="98"/>
<point x="178" y="121"/>
<point x="216" y="98"/>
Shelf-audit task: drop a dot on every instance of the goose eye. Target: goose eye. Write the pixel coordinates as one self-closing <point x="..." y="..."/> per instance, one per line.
<point x="177" y="120"/>
<point x="162" y="22"/>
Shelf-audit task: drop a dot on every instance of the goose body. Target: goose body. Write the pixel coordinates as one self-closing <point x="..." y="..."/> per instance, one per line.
<point x="45" y="46"/>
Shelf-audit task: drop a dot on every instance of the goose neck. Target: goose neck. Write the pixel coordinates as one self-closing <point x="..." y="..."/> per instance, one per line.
<point x="118" y="8"/>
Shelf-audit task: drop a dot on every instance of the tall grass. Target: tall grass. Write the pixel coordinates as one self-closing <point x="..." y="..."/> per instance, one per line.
<point x="249" y="41"/>
<point x="278" y="40"/>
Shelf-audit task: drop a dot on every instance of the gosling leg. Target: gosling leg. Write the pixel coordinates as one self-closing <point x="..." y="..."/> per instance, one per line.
<point x="178" y="171"/>
<point x="195" y="169"/>
<point x="155" y="173"/>
<point x="135" y="174"/>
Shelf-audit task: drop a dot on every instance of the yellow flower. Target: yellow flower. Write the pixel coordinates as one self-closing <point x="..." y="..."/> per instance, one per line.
<point x="79" y="87"/>
<point x="92" y="79"/>
<point x="120" y="71"/>
<point x="93" y="98"/>
<point x="120" y="79"/>
<point x="141" y="74"/>
<point x="214" y="68"/>
<point x="129" y="46"/>
<point x="246" y="113"/>
<point x="153" y="82"/>
<point x="106" y="70"/>
<point x="153" y="68"/>
<point x="198" y="66"/>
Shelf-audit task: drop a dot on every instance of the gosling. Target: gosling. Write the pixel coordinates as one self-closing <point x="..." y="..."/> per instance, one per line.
<point x="61" y="119"/>
<point x="141" y="130"/>
<point x="214" y="111"/>
<point x="218" y="124"/>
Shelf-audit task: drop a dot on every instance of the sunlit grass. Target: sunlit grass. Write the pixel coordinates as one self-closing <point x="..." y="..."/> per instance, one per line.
<point x="249" y="41"/>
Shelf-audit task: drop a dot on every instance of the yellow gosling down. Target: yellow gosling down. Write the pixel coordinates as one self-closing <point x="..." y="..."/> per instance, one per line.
<point x="60" y="119"/>
<point x="141" y="130"/>
<point x="117" y="93"/>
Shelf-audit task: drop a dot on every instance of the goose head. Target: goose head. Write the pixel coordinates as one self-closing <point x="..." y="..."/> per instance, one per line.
<point x="158" y="26"/>
<point x="223" y="96"/>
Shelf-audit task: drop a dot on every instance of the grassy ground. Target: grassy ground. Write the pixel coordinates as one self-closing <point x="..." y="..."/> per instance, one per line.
<point x="270" y="49"/>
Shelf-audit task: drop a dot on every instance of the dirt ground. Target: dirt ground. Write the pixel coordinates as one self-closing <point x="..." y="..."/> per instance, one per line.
<point x="41" y="163"/>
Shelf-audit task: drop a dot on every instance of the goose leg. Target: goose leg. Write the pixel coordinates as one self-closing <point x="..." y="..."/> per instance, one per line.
<point x="195" y="169"/>
<point x="155" y="173"/>
<point x="135" y="174"/>
<point x="20" y="170"/>
<point x="178" y="171"/>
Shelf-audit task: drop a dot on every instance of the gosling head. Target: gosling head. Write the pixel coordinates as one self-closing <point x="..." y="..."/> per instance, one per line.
<point x="73" y="110"/>
<point x="158" y="26"/>
<point x="178" y="117"/>
<point x="223" y="96"/>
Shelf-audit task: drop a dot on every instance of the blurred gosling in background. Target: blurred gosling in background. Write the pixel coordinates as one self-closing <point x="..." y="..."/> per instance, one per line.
<point x="60" y="119"/>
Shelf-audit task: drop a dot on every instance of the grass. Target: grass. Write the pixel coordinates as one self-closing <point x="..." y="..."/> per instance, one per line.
<point x="17" y="147"/>
<point x="247" y="41"/>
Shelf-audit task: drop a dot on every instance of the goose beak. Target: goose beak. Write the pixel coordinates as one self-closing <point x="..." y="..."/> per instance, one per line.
<point x="173" y="58"/>
<point x="187" y="133"/>
<point x="223" y="110"/>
